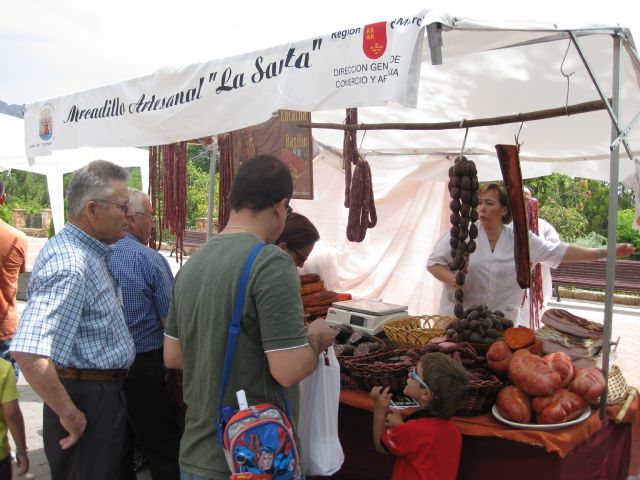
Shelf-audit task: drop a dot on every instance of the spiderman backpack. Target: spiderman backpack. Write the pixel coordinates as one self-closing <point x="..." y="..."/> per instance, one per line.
<point x="258" y="441"/>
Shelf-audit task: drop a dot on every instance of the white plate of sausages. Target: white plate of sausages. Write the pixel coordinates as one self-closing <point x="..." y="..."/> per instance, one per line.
<point x="534" y="426"/>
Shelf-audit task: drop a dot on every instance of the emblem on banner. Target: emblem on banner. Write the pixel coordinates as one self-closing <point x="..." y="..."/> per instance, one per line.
<point x="45" y="126"/>
<point x="374" y="40"/>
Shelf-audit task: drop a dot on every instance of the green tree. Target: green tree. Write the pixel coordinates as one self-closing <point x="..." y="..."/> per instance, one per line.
<point x="569" y="223"/>
<point x="625" y="232"/>
<point x="197" y="193"/>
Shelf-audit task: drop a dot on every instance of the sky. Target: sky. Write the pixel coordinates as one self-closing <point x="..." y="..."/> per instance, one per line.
<point x="54" y="48"/>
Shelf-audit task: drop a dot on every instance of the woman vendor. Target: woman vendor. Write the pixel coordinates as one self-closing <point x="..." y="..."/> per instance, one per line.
<point x="491" y="272"/>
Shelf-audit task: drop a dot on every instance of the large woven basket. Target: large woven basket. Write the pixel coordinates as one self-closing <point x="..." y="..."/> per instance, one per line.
<point x="346" y="380"/>
<point x="415" y="332"/>
<point x="617" y="387"/>
<point x="379" y="369"/>
<point x="479" y="397"/>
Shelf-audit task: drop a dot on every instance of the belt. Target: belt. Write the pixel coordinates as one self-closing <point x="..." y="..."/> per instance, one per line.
<point x="91" y="374"/>
<point x="151" y="353"/>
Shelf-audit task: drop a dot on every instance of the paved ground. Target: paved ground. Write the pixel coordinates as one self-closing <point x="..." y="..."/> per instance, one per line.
<point x="625" y="325"/>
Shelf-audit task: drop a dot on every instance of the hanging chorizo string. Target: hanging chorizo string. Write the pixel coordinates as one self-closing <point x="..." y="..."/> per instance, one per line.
<point x="224" y="143"/>
<point x="536" y="295"/>
<point x="168" y="185"/>
<point x="153" y="194"/>
<point x="358" y="195"/>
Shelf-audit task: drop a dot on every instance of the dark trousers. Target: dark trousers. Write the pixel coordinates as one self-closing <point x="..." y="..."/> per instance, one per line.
<point x="153" y="420"/>
<point x="96" y="456"/>
<point x="5" y="468"/>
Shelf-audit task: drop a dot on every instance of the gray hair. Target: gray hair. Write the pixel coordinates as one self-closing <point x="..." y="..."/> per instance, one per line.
<point x="137" y="199"/>
<point x="92" y="182"/>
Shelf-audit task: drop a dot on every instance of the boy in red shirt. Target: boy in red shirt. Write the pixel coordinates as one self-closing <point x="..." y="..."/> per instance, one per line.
<point x="426" y="443"/>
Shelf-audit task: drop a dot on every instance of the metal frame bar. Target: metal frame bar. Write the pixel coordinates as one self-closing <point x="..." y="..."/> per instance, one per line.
<point x="212" y="188"/>
<point x="613" y="220"/>
<point x="612" y="115"/>
<point x="626" y="131"/>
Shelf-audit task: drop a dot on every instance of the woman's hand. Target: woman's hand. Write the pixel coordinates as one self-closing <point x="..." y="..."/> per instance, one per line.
<point x="624" y="249"/>
<point x="381" y="397"/>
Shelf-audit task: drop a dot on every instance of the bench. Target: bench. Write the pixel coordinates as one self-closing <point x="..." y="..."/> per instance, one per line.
<point x="190" y="238"/>
<point x="594" y="275"/>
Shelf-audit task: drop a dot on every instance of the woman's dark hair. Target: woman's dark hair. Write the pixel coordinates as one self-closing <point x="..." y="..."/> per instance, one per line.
<point x="298" y="232"/>
<point x="259" y="183"/>
<point x="447" y="380"/>
<point x="502" y="198"/>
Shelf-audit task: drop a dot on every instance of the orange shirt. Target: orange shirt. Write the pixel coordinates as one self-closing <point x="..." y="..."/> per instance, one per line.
<point x="13" y="261"/>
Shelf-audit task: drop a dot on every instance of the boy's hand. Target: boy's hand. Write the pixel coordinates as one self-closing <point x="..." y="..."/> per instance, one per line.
<point x="381" y="397"/>
<point x="22" y="462"/>
<point x="392" y="420"/>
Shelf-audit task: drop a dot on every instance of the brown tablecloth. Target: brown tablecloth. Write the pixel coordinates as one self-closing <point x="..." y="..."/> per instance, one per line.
<point x="560" y="442"/>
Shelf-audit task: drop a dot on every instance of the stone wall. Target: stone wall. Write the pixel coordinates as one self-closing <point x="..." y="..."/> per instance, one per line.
<point x="20" y="222"/>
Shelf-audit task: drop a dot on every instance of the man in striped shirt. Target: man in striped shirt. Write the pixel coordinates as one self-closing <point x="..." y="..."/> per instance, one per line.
<point x="146" y="281"/>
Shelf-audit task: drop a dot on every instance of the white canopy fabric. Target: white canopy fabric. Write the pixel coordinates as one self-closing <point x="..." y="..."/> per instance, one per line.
<point x="12" y="156"/>
<point x="489" y="69"/>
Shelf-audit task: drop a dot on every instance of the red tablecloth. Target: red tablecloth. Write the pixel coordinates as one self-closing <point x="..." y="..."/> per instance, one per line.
<point x="590" y="450"/>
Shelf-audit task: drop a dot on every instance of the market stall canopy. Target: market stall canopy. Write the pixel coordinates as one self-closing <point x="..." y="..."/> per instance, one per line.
<point x="488" y="69"/>
<point x="12" y="157"/>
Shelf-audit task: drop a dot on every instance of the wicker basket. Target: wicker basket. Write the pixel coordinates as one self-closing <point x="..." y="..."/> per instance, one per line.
<point x="378" y="369"/>
<point x="346" y="380"/>
<point x="617" y="387"/>
<point x="479" y="397"/>
<point x="415" y="332"/>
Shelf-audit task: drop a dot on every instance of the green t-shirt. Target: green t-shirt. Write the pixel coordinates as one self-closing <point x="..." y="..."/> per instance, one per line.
<point x="8" y="393"/>
<point x="199" y="315"/>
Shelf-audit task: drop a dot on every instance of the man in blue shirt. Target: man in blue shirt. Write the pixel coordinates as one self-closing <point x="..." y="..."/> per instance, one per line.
<point x="146" y="281"/>
<point x="72" y="343"/>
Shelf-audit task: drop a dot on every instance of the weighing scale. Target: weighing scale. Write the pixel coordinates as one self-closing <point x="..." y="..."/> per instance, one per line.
<point x="366" y="315"/>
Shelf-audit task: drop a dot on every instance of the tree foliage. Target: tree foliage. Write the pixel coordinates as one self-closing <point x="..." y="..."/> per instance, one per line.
<point x="569" y="223"/>
<point x="624" y="232"/>
<point x="587" y="198"/>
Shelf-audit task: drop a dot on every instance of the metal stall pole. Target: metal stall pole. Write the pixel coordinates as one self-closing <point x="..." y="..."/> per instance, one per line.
<point x="614" y="158"/>
<point x="614" y="167"/>
<point x="212" y="188"/>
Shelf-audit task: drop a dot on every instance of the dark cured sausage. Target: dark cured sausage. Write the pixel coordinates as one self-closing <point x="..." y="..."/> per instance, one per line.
<point x="512" y="176"/>
<point x="362" y="209"/>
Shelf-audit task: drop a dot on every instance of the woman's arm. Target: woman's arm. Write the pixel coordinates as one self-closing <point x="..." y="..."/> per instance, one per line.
<point x="443" y="274"/>
<point x="583" y="254"/>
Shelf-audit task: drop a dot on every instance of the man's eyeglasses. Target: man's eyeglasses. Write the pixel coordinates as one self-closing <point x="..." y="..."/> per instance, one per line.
<point x="122" y="206"/>
<point x="147" y="215"/>
<point x="414" y="375"/>
<point x="288" y="209"/>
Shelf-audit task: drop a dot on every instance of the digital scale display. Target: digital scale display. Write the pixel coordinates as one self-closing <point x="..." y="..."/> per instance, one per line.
<point x="357" y="320"/>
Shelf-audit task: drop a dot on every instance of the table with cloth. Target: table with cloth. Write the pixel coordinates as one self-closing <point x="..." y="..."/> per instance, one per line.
<point x="593" y="449"/>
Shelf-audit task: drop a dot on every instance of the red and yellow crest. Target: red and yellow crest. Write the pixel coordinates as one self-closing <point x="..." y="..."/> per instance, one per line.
<point x="374" y="40"/>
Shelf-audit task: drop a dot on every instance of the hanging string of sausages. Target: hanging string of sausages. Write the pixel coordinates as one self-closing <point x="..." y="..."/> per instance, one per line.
<point x="358" y="193"/>
<point x="463" y="187"/>
<point x="168" y="171"/>
<point x="224" y="144"/>
<point x="536" y="295"/>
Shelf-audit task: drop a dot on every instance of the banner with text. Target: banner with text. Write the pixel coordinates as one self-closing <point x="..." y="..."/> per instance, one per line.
<point x="367" y="65"/>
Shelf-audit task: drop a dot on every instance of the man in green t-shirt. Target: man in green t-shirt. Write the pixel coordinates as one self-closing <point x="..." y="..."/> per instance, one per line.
<point x="273" y="348"/>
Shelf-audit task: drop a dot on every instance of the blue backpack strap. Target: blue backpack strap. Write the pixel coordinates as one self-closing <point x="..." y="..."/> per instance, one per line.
<point x="234" y="331"/>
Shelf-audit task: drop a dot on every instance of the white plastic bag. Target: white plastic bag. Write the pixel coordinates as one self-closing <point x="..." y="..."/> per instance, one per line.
<point x="318" y="423"/>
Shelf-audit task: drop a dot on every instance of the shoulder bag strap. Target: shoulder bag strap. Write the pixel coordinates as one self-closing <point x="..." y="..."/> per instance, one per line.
<point x="234" y="331"/>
